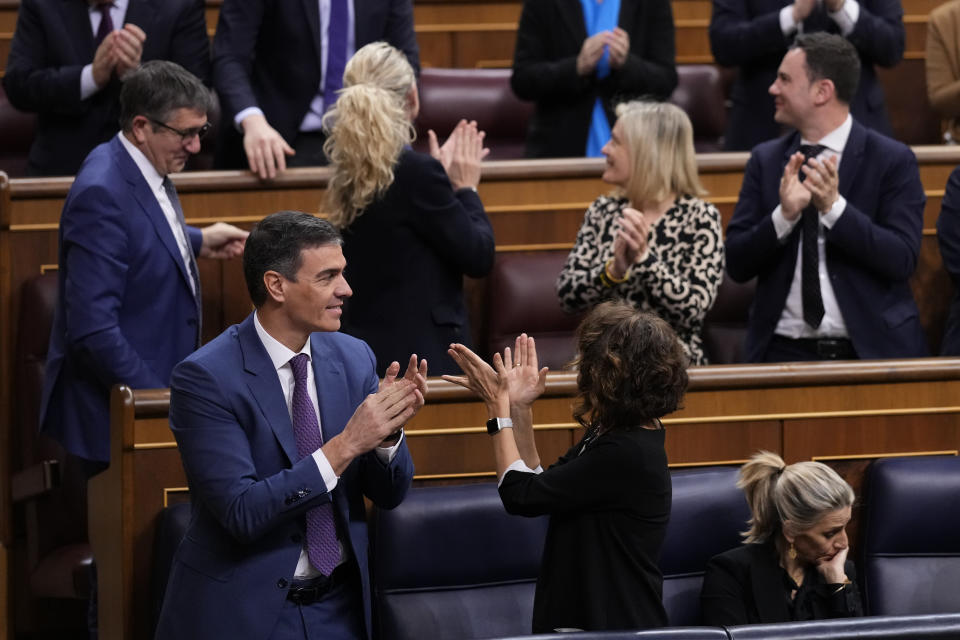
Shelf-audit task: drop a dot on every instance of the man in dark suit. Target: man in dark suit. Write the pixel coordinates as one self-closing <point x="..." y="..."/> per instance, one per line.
<point x="753" y="35"/>
<point x="283" y="429"/>
<point x="129" y="294"/>
<point x="948" y="236"/>
<point x="829" y="221"/>
<point x="557" y="63"/>
<point x="278" y="64"/>
<point x="67" y="64"/>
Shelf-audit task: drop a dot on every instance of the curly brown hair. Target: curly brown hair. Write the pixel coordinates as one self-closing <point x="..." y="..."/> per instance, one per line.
<point x="632" y="368"/>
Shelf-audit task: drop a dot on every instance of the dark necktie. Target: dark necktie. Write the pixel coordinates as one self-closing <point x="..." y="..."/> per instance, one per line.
<point x="192" y="261"/>
<point x="336" y="51"/>
<point x="322" y="547"/>
<point x="810" y="256"/>
<point x="106" y="22"/>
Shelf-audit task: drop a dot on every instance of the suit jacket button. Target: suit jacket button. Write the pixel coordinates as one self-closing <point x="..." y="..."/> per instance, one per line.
<point x="282" y="583"/>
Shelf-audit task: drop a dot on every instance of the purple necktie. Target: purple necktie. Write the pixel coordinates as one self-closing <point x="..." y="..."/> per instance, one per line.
<point x="106" y="22"/>
<point x="336" y="51"/>
<point x="322" y="547"/>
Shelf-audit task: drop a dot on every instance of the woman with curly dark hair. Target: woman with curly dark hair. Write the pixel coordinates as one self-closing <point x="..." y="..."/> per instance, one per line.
<point x="609" y="496"/>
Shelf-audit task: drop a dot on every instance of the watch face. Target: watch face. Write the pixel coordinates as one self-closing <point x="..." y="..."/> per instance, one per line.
<point x="493" y="426"/>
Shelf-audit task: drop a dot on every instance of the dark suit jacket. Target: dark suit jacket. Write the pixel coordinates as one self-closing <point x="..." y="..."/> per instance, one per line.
<point x="746" y="586"/>
<point x="948" y="235"/>
<point x="249" y="489"/>
<point x="746" y="34"/>
<point x="871" y="251"/>
<point x="406" y="258"/>
<point x="549" y="38"/>
<point x="266" y="53"/>
<point x="50" y="47"/>
<point x="608" y="508"/>
<point x="126" y="311"/>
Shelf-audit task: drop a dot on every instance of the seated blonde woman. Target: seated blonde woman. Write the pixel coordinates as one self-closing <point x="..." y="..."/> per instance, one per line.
<point x="794" y="564"/>
<point x="412" y="223"/>
<point x="655" y="243"/>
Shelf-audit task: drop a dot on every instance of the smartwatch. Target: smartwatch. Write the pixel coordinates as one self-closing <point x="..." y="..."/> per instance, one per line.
<point x="494" y="425"/>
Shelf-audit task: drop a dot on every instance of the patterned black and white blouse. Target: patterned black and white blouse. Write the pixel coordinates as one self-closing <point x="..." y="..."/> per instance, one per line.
<point x="678" y="280"/>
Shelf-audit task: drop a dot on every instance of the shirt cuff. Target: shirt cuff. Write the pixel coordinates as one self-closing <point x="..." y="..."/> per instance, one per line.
<point x="781" y="225"/>
<point x="846" y="18"/>
<point x="87" y="85"/>
<point x="787" y="23"/>
<point x="240" y="117"/>
<point x="329" y="477"/>
<point x="830" y="218"/>
<point x="519" y="465"/>
<point x="387" y="454"/>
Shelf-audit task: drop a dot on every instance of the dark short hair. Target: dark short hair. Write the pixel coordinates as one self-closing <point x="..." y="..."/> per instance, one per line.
<point x="632" y="368"/>
<point x="159" y="87"/>
<point x="831" y="57"/>
<point x="277" y="242"/>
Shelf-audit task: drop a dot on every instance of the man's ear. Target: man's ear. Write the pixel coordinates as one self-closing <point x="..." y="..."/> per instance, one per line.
<point x="824" y="92"/>
<point x="137" y="127"/>
<point x="274" y="283"/>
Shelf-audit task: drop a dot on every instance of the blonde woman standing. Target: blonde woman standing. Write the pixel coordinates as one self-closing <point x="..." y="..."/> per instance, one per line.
<point x="793" y="565"/>
<point x="654" y="243"/>
<point x="412" y="223"/>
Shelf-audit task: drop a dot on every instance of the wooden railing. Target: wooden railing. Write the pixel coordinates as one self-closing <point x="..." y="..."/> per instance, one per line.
<point x="845" y="414"/>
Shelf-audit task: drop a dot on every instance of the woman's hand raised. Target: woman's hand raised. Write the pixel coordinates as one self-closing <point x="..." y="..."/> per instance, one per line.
<point x="525" y="380"/>
<point x="490" y="383"/>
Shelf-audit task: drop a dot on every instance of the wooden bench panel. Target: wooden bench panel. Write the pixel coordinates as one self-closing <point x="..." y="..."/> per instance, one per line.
<point x="843" y="413"/>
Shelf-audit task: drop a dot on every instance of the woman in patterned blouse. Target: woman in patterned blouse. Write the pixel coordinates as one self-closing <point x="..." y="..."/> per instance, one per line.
<point x="654" y="242"/>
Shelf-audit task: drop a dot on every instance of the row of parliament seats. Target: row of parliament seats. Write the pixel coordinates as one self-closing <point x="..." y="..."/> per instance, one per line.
<point x="50" y="486"/>
<point x="449" y="562"/>
<point x="446" y="96"/>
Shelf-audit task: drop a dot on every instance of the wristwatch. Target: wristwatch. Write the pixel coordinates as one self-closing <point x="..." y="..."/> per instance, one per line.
<point x="494" y="425"/>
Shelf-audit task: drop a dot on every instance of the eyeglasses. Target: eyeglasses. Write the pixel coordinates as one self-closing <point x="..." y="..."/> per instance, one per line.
<point x="186" y="135"/>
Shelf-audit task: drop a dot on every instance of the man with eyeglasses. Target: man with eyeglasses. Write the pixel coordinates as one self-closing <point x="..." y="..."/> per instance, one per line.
<point x="129" y="293"/>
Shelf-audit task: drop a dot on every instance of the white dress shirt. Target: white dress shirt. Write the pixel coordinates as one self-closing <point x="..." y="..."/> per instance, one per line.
<point x="117" y="13"/>
<point x="280" y="356"/>
<point x="155" y="182"/>
<point x="313" y="120"/>
<point x="792" y="324"/>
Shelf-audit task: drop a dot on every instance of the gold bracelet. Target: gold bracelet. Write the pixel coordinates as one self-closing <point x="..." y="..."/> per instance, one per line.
<point x="847" y="582"/>
<point x="609" y="276"/>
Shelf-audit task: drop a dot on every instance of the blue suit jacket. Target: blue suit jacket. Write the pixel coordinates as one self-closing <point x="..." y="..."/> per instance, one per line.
<point x="250" y="490"/>
<point x="746" y="34"/>
<point x="948" y="235"/>
<point x="125" y="313"/>
<point x="266" y="53"/>
<point x="50" y="47"/>
<point x="871" y="251"/>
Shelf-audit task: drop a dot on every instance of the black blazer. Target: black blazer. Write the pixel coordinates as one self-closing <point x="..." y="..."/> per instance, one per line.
<point x="406" y="256"/>
<point x="549" y="38"/>
<point x="608" y="508"/>
<point x="266" y="53"/>
<point x="746" y="586"/>
<point x="50" y="47"/>
<point x="948" y="235"/>
<point x="746" y="34"/>
<point x="871" y="251"/>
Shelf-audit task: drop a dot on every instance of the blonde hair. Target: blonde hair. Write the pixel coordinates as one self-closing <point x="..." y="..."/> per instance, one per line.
<point x="800" y="493"/>
<point x="659" y="139"/>
<point x="366" y="130"/>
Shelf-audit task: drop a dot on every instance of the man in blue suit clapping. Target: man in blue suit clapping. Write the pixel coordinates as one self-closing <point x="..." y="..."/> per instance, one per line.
<point x="284" y="428"/>
<point x="829" y="221"/>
